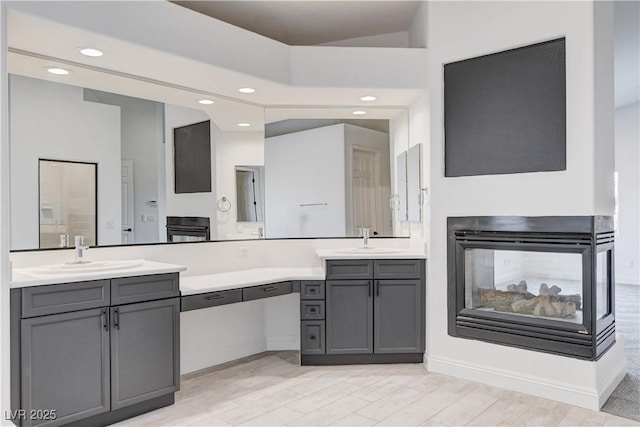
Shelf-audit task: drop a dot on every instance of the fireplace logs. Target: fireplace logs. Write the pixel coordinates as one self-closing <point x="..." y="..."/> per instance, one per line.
<point x="517" y="299"/>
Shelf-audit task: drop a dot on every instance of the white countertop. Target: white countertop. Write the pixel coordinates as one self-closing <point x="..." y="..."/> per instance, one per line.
<point x="370" y="253"/>
<point x="22" y="277"/>
<point x="244" y="278"/>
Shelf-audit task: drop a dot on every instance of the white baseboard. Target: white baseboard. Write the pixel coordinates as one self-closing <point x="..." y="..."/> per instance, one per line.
<point x="586" y="397"/>
<point x="283" y="342"/>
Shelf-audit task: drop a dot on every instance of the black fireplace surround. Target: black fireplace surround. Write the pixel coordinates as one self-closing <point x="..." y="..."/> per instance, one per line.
<point x="540" y="283"/>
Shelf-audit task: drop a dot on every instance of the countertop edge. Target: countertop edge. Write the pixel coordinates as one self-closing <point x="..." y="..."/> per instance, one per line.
<point x="315" y="274"/>
<point x="148" y="268"/>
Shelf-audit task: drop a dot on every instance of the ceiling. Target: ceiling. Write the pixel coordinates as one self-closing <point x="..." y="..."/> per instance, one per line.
<point x="305" y="23"/>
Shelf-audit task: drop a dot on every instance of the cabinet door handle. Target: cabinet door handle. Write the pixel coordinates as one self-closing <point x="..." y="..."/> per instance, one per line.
<point x="105" y="321"/>
<point x="211" y="297"/>
<point x="377" y="288"/>
<point x="272" y="288"/>
<point x="369" y="287"/>
<point x="116" y="318"/>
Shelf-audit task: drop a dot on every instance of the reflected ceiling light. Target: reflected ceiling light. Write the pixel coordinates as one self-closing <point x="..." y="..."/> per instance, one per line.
<point x="206" y="101"/>
<point x="89" y="51"/>
<point x="58" y="71"/>
<point x="368" y="98"/>
<point x="246" y="90"/>
<point x="359" y="113"/>
<point x="244" y="125"/>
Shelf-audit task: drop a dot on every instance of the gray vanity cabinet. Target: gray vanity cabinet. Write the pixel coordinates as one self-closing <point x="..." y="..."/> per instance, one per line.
<point x="144" y="351"/>
<point x="349" y="313"/>
<point x="398" y="323"/>
<point x="374" y="312"/>
<point x="79" y="354"/>
<point x="65" y="367"/>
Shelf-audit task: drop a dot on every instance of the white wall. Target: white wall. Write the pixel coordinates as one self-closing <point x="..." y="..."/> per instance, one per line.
<point x="301" y="168"/>
<point x="189" y="204"/>
<point x="235" y="149"/>
<point x="627" y="149"/>
<point x="460" y="30"/>
<point x="398" y="39"/>
<point x="52" y="121"/>
<point x="142" y="143"/>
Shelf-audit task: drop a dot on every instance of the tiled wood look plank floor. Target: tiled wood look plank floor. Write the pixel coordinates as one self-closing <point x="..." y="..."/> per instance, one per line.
<point x="274" y="390"/>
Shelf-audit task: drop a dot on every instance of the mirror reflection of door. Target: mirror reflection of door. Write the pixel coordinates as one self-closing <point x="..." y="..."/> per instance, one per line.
<point x="127" y="201"/>
<point x="67" y="202"/>
<point x="249" y="193"/>
<point x="367" y="190"/>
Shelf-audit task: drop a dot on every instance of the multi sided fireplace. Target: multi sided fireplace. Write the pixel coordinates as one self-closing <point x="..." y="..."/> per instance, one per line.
<point x="541" y="283"/>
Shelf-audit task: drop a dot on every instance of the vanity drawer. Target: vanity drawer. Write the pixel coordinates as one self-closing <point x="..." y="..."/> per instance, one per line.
<point x="312" y="337"/>
<point x="312" y="289"/>
<point x="211" y="299"/>
<point x="311" y="310"/>
<point x="266" y="291"/>
<point x="64" y="297"/>
<point x="349" y="269"/>
<point x="144" y="288"/>
<point x="397" y="269"/>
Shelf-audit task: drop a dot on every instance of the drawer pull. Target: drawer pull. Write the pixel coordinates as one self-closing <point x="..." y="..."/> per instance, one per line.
<point x="313" y="310"/>
<point x="312" y="290"/>
<point x="312" y="337"/>
<point x="272" y="288"/>
<point x="212" y="297"/>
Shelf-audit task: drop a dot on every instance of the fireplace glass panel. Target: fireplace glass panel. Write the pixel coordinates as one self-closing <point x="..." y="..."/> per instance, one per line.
<point x="525" y="283"/>
<point x="602" y="284"/>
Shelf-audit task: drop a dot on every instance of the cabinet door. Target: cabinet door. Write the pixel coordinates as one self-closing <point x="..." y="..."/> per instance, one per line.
<point x="349" y="316"/>
<point x="65" y="366"/>
<point x="144" y="351"/>
<point x="399" y="322"/>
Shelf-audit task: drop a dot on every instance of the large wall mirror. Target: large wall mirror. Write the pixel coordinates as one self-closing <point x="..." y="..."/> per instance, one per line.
<point x="294" y="172"/>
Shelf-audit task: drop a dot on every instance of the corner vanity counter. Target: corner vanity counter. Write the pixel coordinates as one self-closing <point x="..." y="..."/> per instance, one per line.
<point x="94" y="343"/>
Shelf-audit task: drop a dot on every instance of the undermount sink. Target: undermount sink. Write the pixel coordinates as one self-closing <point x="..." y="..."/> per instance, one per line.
<point x="363" y="250"/>
<point x="86" y="267"/>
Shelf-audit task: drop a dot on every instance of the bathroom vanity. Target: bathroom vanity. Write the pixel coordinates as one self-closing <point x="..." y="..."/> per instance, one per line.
<point x="103" y="345"/>
<point x="94" y="352"/>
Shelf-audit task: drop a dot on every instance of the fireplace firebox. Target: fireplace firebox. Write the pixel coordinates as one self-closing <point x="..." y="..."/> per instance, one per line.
<point x="541" y="283"/>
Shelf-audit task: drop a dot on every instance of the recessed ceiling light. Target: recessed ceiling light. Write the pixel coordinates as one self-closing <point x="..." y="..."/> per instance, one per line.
<point x="359" y="113"/>
<point x="206" y="101"/>
<point x="368" y="98"/>
<point x="89" y="51"/>
<point x="246" y="90"/>
<point x="244" y="125"/>
<point x="58" y="71"/>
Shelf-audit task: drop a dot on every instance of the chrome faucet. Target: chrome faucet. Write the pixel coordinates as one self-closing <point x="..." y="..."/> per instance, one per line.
<point x="79" y="251"/>
<point x="364" y="233"/>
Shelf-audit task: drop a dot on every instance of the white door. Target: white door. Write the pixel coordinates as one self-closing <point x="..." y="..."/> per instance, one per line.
<point x="126" y="192"/>
<point x="367" y="204"/>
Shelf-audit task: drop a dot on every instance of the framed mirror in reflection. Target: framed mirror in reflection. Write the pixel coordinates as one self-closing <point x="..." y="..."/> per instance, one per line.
<point x="126" y="127"/>
<point x="67" y="203"/>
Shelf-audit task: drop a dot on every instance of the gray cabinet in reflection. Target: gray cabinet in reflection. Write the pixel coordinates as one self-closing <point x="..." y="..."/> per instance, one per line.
<point x="349" y="312"/>
<point x="144" y="351"/>
<point x="65" y="367"/>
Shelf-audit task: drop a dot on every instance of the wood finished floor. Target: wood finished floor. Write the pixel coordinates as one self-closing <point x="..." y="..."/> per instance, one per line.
<point x="274" y="390"/>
